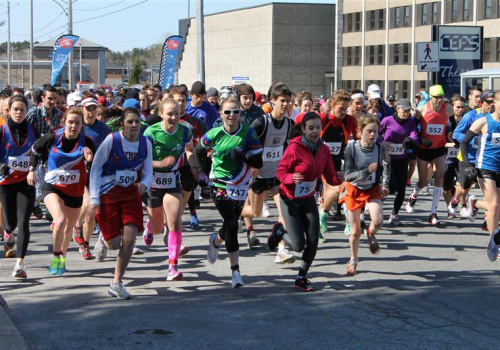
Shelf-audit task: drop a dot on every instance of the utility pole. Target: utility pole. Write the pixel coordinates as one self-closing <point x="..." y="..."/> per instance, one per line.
<point x="189" y="8"/>
<point x="201" y="39"/>
<point x="32" y="82"/>
<point x="70" y="31"/>
<point x="8" y="42"/>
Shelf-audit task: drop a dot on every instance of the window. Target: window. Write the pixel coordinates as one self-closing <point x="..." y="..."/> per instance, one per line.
<point x="405" y="89"/>
<point x="488" y="9"/>
<point x="498" y="49"/>
<point x="357" y="21"/>
<point x="357" y="51"/>
<point x="406" y="53"/>
<point x="435" y="13"/>
<point x="371" y="25"/>
<point x="349" y="22"/>
<point x="424" y="15"/>
<point x="407" y="16"/>
<point x="381" y="22"/>
<point x="397" y="17"/>
<point x="467" y="10"/>
<point x="395" y="89"/>
<point x="454" y="10"/>
<point x="380" y="54"/>
<point x="371" y="55"/>
<point x="396" y="53"/>
<point x="487" y="50"/>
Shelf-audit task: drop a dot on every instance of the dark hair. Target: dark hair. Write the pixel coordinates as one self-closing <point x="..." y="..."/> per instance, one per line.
<point x="280" y="90"/>
<point x="48" y="88"/>
<point x="302" y="96"/>
<point x="357" y="91"/>
<point x="297" y="129"/>
<point x="177" y="90"/>
<point x="88" y="94"/>
<point x="18" y="89"/>
<point x="475" y="88"/>
<point x="18" y="98"/>
<point x="157" y="87"/>
<point x="61" y="92"/>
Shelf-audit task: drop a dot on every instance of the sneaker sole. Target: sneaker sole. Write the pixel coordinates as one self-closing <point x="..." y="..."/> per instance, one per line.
<point x="286" y="261"/>
<point x="115" y="295"/>
<point x="303" y="289"/>
<point x="179" y="277"/>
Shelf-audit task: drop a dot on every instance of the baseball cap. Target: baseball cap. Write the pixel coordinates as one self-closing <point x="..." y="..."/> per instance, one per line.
<point x="486" y="95"/>
<point x="212" y="92"/>
<point x="374" y="95"/>
<point x="390" y="98"/>
<point x="436" y="90"/>
<point x="373" y="88"/>
<point x="198" y="88"/>
<point x="89" y="101"/>
<point x="404" y="104"/>
<point x="132" y="102"/>
<point x="132" y="93"/>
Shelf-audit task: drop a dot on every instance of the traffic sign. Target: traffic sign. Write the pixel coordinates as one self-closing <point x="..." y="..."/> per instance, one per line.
<point x="428" y="56"/>
<point x="240" y="80"/>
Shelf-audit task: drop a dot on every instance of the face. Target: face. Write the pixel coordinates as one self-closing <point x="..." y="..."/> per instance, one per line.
<point x="340" y="109"/>
<point x="143" y="100"/>
<point x="18" y="111"/>
<point x="131" y="126"/>
<point x="488" y="105"/>
<point x="109" y="98"/>
<point x="281" y="104"/>
<point x="90" y="114"/>
<point x="306" y="106"/>
<point x="263" y="100"/>
<point x="73" y="125"/>
<point x="475" y="99"/>
<point x="369" y="133"/>
<point x="312" y="130"/>
<point x="60" y="101"/>
<point x="230" y="114"/>
<point x="181" y="101"/>
<point x="170" y="114"/>
<point x="437" y="101"/>
<point x="391" y="102"/>
<point x="402" y="114"/>
<point x="325" y="108"/>
<point x="458" y="108"/>
<point x="212" y="100"/>
<point x="246" y="101"/>
<point x="374" y="111"/>
<point x="5" y="107"/>
<point x="151" y="95"/>
<point x="196" y="100"/>
<point x="49" y="100"/>
<point x="357" y="105"/>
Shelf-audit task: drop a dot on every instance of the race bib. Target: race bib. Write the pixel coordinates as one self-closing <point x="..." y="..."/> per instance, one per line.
<point x="451" y="152"/>
<point x="272" y="153"/>
<point x="435" y="129"/>
<point x="495" y="139"/>
<point x="305" y="188"/>
<point x="164" y="180"/>
<point x="19" y="163"/>
<point x="125" y="178"/>
<point x="237" y="192"/>
<point x="67" y="177"/>
<point x="397" y="149"/>
<point x="334" y="147"/>
<point x="370" y="179"/>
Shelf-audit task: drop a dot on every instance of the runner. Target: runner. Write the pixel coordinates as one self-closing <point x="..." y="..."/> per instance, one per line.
<point x="434" y="134"/>
<point x="366" y="166"/>
<point x="65" y="151"/>
<point x="121" y="171"/>
<point x="164" y="199"/>
<point x="235" y="149"/>
<point x="305" y="159"/>
<point x="399" y="134"/>
<point x="17" y="197"/>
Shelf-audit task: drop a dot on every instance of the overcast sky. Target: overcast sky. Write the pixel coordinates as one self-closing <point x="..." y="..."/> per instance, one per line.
<point x="117" y="25"/>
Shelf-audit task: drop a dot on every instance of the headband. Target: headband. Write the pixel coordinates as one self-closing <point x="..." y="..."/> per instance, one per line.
<point x="358" y="95"/>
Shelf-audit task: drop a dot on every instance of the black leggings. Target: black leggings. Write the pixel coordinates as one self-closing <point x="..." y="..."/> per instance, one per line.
<point x="397" y="183"/>
<point x="229" y="230"/>
<point x="17" y="203"/>
<point x="301" y="216"/>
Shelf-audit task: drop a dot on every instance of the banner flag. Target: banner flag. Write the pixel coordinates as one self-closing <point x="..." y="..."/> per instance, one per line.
<point x="169" y="55"/>
<point x="62" y="48"/>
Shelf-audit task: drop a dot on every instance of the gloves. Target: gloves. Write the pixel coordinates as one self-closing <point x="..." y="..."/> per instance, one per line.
<point x="407" y="142"/>
<point x="4" y="169"/>
<point x="425" y="142"/>
<point x="238" y="155"/>
<point x="203" y="179"/>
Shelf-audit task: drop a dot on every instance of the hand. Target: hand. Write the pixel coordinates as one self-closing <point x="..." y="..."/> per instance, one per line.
<point x="372" y="167"/>
<point x="387" y="146"/>
<point x="203" y="178"/>
<point x="4" y="169"/>
<point x="385" y="191"/>
<point x="425" y="142"/>
<point x="238" y="155"/>
<point x="166" y="162"/>
<point x="141" y="187"/>
<point x="298" y="178"/>
<point x="407" y="142"/>
<point x="256" y="172"/>
<point x="32" y="180"/>
<point x="87" y="153"/>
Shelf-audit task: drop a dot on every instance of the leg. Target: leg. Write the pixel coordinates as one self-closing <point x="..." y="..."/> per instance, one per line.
<point x="125" y="253"/>
<point x="55" y="205"/>
<point x="355" y="223"/>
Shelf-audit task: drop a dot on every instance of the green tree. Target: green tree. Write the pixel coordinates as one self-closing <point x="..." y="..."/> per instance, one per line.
<point x="135" y="74"/>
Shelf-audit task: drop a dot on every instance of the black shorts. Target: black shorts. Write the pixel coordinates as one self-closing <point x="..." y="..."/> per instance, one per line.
<point x="430" y="154"/>
<point x="154" y="197"/>
<point x="188" y="182"/>
<point x="450" y="176"/>
<point x="260" y="185"/>
<point x="337" y="162"/>
<point x="461" y="179"/>
<point x="69" y="201"/>
<point x="490" y="174"/>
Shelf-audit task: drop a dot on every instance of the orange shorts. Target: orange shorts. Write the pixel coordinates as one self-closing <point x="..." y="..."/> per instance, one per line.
<point x="355" y="198"/>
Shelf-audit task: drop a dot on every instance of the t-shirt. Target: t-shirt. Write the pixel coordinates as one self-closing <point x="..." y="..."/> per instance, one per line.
<point x="205" y="112"/>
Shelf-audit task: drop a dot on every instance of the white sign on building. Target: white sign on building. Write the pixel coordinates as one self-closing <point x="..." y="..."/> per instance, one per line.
<point x="428" y="56"/>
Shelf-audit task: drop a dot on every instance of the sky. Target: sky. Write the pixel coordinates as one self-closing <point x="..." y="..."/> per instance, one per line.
<point x="117" y="25"/>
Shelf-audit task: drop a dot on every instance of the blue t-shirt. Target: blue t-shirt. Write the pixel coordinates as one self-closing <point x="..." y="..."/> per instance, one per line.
<point x="461" y="129"/>
<point x="205" y="112"/>
<point x="97" y="132"/>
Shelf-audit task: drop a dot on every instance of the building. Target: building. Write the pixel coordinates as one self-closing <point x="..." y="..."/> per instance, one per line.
<point x="378" y="39"/>
<point x="288" y="42"/>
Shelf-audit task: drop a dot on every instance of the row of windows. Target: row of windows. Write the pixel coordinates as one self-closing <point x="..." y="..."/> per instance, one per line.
<point x="375" y="55"/>
<point x="491" y="51"/>
<point x="398" y="88"/>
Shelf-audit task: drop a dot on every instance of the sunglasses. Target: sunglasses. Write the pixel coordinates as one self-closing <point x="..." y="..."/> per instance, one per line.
<point x="489" y="101"/>
<point x="229" y="111"/>
<point x="438" y="97"/>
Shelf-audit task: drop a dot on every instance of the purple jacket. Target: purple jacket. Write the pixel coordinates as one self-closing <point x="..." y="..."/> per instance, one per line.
<point x="393" y="132"/>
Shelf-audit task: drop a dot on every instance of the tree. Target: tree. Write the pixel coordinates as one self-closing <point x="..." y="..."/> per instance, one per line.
<point x="135" y="74"/>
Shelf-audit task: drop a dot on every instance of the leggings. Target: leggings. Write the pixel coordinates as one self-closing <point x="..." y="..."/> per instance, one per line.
<point x="301" y="216"/>
<point x="17" y="203"/>
<point x="397" y="183"/>
<point x="230" y="210"/>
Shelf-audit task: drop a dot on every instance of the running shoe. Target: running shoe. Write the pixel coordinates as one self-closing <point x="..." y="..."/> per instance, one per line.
<point x="492" y="249"/>
<point x="452" y="207"/>
<point x="197" y="204"/>
<point x="37" y="211"/>
<point x="265" y="210"/>
<point x="323" y="226"/>
<point x="252" y="240"/>
<point x="184" y="250"/>
<point x="451" y="215"/>
<point x="52" y="226"/>
<point x="147" y="235"/>
<point x="97" y="229"/>
<point x="48" y="216"/>
<point x="284" y="257"/>
<point x="213" y="252"/>
<point x="100" y="249"/>
<point x="62" y="265"/>
<point x="117" y="290"/>
<point x="410" y="205"/>
<point x="9" y="253"/>
<point x="471" y="208"/>
<point x="9" y="239"/>
<point x="347" y="229"/>
<point x="241" y="225"/>
<point x="193" y="221"/>
<point x="321" y="238"/>
<point x="275" y="236"/>
<point x="433" y="219"/>
<point x="424" y="191"/>
<point x="54" y="265"/>
<point x="174" y="274"/>
<point x="137" y="251"/>
<point x="78" y="235"/>
<point x="408" y="183"/>
<point x="303" y="284"/>
<point x="352" y="265"/>
<point x="85" y="251"/>
<point x="394" y="220"/>
<point x="464" y="212"/>
<point x="19" y="271"/>
<point x="373" y="242"/>
<point x="237" y="281"/>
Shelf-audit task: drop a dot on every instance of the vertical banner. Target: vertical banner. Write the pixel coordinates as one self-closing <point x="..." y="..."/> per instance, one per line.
<point x="169" y="55"/>
<point x="460" y="50"/>
<point x="63" y="46"/>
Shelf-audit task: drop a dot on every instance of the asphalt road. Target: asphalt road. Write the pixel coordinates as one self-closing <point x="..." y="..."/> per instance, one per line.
<point x="428" y="288"/>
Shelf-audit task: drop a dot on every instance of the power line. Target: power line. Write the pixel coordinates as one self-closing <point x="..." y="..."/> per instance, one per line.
<point x="101" y="8"/>
<point x="39" y="30"/>
<point x="110" y="13"/>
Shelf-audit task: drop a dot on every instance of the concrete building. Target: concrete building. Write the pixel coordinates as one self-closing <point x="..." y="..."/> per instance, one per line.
<point x="379" y="38"/>
<point x="288" y="42"/>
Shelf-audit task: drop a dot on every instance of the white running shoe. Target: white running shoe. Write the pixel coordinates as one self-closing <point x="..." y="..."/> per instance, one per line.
<point x="237" y="281"/>
<point x="265" y="210"/>
<point x="470" y="207"/>
<point x="394" y="220"/>
<point x="284" y="257"/>
<point x="492" y="249"/>
<point x="118" y="291"/>
<point x="213" y="252"/>
<point x="100" y="249"/>
<point x="410" y="205"/>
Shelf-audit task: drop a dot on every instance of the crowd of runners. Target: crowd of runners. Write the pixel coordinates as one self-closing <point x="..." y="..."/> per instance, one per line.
<point x="97" y="159"/>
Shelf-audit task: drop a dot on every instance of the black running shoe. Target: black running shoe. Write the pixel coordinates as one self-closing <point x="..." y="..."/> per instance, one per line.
<point x="303" y="284"/>
<point x="275" y="236"/>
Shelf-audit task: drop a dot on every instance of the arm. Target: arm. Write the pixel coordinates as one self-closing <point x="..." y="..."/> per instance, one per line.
<point x="474" y="130"/>
<point x="101" y="157"/>
<point x="386" y="164"/>
<point x="285" y="170"/>
<point x="462" y="127"/>
<point x="350" y="174"/>
<point x="147" y="167"/>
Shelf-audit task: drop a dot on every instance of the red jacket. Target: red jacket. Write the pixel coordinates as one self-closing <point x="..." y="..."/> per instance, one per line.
<point x="298" y="158"/>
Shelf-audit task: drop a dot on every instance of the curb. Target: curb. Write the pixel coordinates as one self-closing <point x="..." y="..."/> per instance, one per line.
<point x="10" y="337"/>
